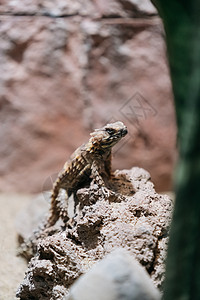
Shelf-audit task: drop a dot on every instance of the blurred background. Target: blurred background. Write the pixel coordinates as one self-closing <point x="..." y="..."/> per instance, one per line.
<point x="68" y="67"/>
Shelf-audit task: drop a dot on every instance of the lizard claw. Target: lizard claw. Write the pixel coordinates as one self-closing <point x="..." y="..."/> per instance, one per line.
<point x="105" y="191"/>
<point x="110" y="195"/>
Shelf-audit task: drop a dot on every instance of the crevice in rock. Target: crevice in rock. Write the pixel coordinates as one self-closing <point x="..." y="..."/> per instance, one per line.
<point x="17" y="51"/>
<point x="49" y="15"/>
<point x="136" y="17"/>
<point x="156" y="253"/>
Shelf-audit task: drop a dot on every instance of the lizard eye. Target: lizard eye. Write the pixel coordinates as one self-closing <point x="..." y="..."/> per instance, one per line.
<point x="110" y="130"/>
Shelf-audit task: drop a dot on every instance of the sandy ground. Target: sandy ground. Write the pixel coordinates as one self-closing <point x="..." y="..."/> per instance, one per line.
<point x="12" y="268"/>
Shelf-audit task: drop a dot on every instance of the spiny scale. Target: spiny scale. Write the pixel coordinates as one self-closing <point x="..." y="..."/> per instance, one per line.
<point x="90" y="158"/>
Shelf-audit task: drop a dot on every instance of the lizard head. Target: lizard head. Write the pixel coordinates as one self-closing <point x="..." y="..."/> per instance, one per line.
<point x="109" y="135"/>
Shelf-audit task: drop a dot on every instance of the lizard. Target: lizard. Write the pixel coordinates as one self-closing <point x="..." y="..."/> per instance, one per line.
<point x="89" y="160"/>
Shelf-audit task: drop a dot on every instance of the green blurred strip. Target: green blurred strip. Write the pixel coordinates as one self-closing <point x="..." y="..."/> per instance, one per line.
<point x="182" y="26"/>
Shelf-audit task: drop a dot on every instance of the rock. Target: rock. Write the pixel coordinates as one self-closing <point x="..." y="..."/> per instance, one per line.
<point x="137" y="222"/>
<point x="90" y="8"/>
<point x="127" y="8"/>
<point x="48" y="8"/>
<point x="117" y="276"/>
<point x="67" y="68"/>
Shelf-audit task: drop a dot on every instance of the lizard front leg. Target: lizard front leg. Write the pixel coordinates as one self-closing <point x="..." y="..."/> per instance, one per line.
<point x="96" y="176"/>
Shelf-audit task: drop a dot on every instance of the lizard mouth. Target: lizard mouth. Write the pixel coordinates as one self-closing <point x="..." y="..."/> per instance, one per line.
<point x="121" y="133"/>
<point x="114" y="138"/>
<point x="124" y="132"/>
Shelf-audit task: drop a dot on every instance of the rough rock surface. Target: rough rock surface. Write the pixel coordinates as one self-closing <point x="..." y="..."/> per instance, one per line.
<point x="117" y="276"/>
<point x="99" y="8"/>
<point x="68" y="67"/>
<point x="138" y="222"/>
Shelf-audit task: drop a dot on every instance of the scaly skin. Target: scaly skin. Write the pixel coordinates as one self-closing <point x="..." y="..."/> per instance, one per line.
<point x="90" y="160"/>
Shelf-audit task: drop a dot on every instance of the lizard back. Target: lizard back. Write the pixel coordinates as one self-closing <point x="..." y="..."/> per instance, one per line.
<point x="92" y="156"/>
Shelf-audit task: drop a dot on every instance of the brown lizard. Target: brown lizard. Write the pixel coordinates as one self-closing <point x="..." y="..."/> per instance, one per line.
<point x="89" y="160"/>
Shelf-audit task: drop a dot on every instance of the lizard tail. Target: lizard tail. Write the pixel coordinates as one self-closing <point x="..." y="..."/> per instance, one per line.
<point x="54" y="209"/>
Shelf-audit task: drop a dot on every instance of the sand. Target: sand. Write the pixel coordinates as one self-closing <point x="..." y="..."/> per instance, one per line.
<point x="12" y="268"/>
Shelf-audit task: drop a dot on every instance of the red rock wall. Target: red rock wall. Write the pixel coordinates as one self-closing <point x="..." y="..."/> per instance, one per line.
<point x="68" y="67"/>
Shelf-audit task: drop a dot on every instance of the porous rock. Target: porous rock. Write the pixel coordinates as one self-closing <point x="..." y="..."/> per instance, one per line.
<point x="118" y="276"/>
<point x="138" y="222"/>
